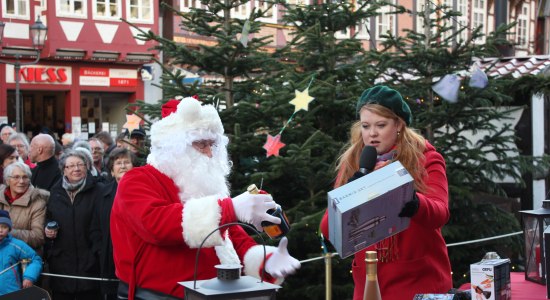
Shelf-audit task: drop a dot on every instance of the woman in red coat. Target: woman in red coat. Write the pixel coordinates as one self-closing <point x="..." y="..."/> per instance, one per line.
<point x="414" y="261"/>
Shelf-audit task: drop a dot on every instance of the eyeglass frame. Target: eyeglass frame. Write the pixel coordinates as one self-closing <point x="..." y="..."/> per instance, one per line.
<point x="77" y="165"/>
<point x="19" y="177"/>
<point x="98" y="149"/>
<point x="202" y="144"/>
<point x="122" y="163"/>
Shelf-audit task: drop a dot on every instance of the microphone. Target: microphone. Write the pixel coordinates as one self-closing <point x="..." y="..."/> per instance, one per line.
<point x="367" y="161"/>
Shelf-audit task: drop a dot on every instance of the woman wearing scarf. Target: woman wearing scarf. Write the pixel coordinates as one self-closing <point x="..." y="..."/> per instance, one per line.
<point x="73" y="249"/>
<point x="414" y="261"/>
<point x="25" y="203"/>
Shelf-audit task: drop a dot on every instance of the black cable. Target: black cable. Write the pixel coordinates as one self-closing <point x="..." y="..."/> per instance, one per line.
<point x="221" y="227"/>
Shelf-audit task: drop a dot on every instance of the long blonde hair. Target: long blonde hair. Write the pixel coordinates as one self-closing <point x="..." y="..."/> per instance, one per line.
<point x="410" y="148"/>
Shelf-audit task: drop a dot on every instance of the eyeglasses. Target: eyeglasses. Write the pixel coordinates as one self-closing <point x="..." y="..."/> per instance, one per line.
<point x="97" y="149"/>
<point x="18" y="177"/>
<point x="121" y="163"/>
<point x="18" y="146"/>
<point x="79" y="166"/>
<point x="202" y="144"/>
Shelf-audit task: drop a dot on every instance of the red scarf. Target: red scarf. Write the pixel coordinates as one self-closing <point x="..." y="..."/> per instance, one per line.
<point x="9" y="198"/>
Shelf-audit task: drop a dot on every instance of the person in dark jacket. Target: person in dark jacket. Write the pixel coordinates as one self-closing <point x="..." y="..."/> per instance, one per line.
<point x="8" y="155"/>
<point x="121" y="160"/>
<point x="73" y="249"/>
<point x="42" y="152"/>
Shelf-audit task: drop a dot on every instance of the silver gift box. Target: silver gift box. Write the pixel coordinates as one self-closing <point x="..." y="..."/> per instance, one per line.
<point x="365" y="211"/>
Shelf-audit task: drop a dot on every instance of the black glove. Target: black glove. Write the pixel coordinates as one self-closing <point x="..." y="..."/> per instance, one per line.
<point x="355" y="176"/>
<point x="410" y="208"/>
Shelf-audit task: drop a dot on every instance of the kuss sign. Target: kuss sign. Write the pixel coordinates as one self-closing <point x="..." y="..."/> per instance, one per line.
<point x="40" y="74"/>
<point x="63" y="75"/>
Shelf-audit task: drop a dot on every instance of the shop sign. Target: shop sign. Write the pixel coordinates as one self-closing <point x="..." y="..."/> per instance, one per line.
<point x="40" y="74"/>
<point x="108" y="77"/>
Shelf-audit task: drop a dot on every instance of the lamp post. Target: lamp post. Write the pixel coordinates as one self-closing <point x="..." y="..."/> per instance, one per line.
<point x="38" y="33"/>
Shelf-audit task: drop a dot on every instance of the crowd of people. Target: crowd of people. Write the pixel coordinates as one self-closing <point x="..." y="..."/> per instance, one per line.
<point x="73" y="184"/>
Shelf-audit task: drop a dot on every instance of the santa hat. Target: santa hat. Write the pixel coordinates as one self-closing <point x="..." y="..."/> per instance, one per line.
<point x="187" y="117"/>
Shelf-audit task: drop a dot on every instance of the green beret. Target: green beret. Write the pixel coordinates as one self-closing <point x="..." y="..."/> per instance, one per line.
<point x="388" y="98"/>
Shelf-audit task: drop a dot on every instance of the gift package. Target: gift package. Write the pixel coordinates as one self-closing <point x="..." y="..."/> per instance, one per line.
<point x="490" y="280"/>
<point x="366" y="210"/>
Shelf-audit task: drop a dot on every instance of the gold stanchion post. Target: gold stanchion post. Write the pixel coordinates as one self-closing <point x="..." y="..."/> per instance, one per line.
<point x="328" y="276"/>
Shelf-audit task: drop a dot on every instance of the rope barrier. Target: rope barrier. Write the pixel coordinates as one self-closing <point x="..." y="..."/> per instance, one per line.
<point x="317" y="258"/>
<point x="79" y="277"/>
<point x="8" y="268"/>
<point x="448" y="245"/>
<point x="484" y="239"/>
<point x="305" y="260"/>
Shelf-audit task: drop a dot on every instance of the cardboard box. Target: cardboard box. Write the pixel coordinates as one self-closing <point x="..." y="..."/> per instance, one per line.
<point x="490" y="280"/>
<point x="365" y="211"/>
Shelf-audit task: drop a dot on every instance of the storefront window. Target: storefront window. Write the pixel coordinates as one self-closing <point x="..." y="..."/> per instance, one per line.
<point x="270" y="11"/>
<point x="15" y="9"/>
<point x="140" y="11"/>
<point x="102" y="112"/>
<point x="71" y="8"/>
<point x="107" y="9"/>
<point x="479" y="17"/>
<point x="185" y="5"/>
<point x="385" y="22"/>
<point x="241" y="11"/>
<point x="522" y="26"/>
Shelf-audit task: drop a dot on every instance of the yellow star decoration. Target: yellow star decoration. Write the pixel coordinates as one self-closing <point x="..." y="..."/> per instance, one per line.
<point x="302" y="99"/>
<point x="132" y="122"/>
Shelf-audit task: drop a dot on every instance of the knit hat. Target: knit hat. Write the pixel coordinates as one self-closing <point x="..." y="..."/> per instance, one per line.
<point x="136" y="133"/>
<point x="5" y="218"/>
<point x="187" y="117"/>
<point x="388" y="98"/>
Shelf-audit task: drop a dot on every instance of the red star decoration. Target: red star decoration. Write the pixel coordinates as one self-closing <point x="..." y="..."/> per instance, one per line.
<point x="273" y="145"/>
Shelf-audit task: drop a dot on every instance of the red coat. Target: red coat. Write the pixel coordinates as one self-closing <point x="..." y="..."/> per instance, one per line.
<point x="154" y="248"/>
<point x="423" y="264"/>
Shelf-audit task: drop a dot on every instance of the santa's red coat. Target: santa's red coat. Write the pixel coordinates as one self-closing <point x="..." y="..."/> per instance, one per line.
<point x="155" y="248"/>
<point x="423" y="264"/>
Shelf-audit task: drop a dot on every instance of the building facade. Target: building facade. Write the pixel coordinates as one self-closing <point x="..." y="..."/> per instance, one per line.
<point x="89" y="69"/>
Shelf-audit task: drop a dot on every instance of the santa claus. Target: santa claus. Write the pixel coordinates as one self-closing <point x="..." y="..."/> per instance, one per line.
<point x="164" y="210"/>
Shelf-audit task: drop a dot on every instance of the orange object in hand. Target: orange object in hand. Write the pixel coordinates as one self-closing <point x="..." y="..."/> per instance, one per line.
<point x="274" y="231"/>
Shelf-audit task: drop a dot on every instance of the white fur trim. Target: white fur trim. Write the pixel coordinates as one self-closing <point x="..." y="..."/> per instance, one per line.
<point x="192" y="119"/>
<point x="226" y="253"/>
<point x="253" y="260"/>
<point x="200" y="217"/>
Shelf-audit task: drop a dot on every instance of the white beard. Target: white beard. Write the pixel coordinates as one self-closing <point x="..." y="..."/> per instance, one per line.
<point x="195" y="174"/>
